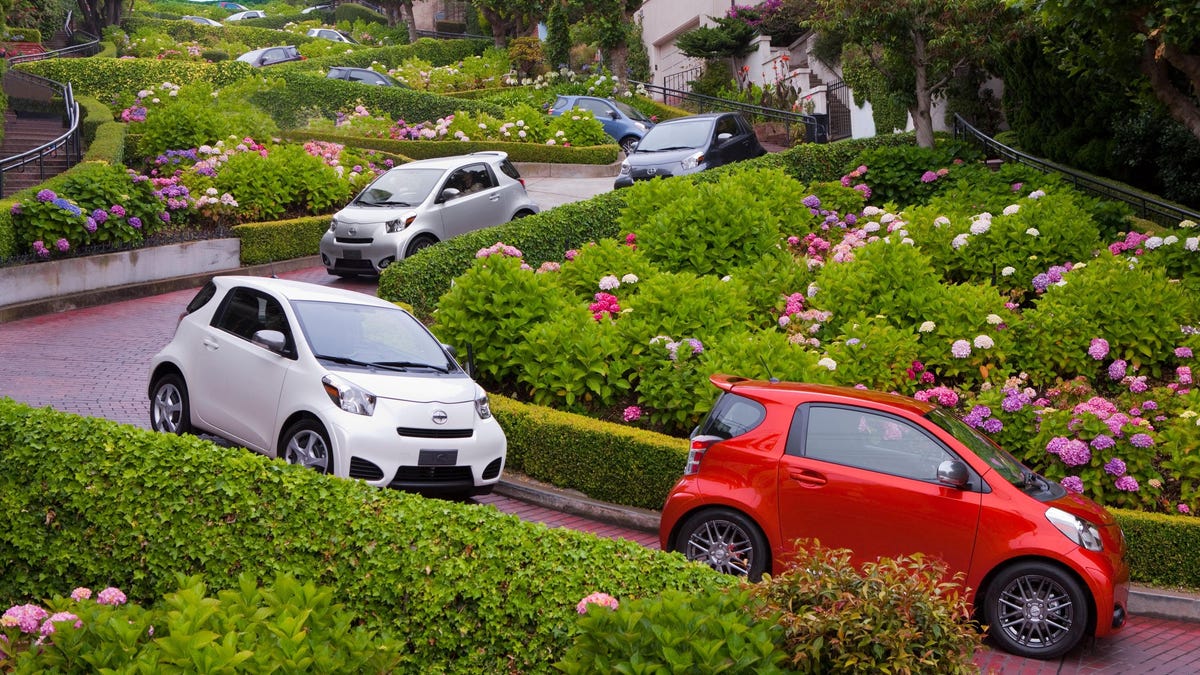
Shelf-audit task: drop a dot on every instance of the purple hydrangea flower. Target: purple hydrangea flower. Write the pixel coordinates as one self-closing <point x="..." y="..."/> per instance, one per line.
<point x="59" y="617"/>
<point x="100" y="215"/>
<point x="961" y="349"/>
<point x="1056" y="445"/>
<point x="136" y="222"/>
<point x="1103" y="442"/>
<point x="90" y="224"/>
<point x="1141" y="441"/>
<point x="1041" y="282"/>
<point x="1184" y="374"/>
<point x="1076" y="453"/>
<point x="993" y="425"/>
<point x="1116" y="369"/>
<point x="16" y="209"/>
<point x="117" y="210"/>
<point x="1072" y="484"/>
<point x="111" y="596"/>
<point x="1180" y="352"/>
<point x="811" y="201"/>
<point x="1115" y="467"/>
<point x="165" y="217"/>
<point x="928" y="177"/>
<point x="1098" y="349"/>
<point x="1127" y="484"/>
<point x="46" y="196"/>
<point x="62" y="245"/>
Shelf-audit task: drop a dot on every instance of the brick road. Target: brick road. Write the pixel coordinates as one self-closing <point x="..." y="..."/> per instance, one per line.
<point x="94" y="362"/>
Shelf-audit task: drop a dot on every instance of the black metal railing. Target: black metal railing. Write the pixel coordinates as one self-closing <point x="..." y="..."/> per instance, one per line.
<point x="442" y="35"/>
<point x="1144" y="206"/>
<point x="815" y="131"/>
<point x="89" y="47"/>
<point x="681" y="81"/>
<point x="69" y="143"/>
<point x="839" y="100"/>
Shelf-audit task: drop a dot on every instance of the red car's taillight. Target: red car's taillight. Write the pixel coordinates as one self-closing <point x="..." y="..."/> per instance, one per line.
<point x="700" y="445"/>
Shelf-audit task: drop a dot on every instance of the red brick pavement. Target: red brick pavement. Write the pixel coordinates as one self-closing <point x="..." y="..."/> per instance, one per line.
<point x="94" y="362"/>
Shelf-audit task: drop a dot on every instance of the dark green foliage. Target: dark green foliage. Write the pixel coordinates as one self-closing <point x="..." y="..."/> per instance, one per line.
<point x="422" y="279"/>
<point x="108" y="145"/>
<point x="1158" y="154"/>
<point x="465" y="588"/>
<point x="714" y="631"/>
<point x="304" y="95"/>
<point x="93" y="113"/>
<point x="715" y="78"/>
<point x="280" y="240"/>
<point x="558" y="38"/>
<point x="730" y="37"/>
<point x="437" y="52"/>
<point x="1161" y="548"/>
<point x="351" y="12"/>
<point x="517" y="152"/>
<point x="902" y="175"/>
<point x="895" y="615"/>
<point x="110" y="79"/>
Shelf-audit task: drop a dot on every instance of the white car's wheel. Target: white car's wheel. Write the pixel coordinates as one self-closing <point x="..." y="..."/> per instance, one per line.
<point x="169" y="409"/>
<point x="307" y="444"/>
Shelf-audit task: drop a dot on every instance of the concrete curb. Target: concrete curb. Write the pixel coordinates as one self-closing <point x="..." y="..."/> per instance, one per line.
<point x="548" y="170"/>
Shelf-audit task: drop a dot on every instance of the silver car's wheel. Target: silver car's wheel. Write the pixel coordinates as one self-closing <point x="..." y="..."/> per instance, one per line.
<point x="169" y="409"/>
<point x="420" y="243"/>
<point x="1036" y="610"/>
<point x="305" y="443"/>
<point x="628" y="144"/>
<point x="726" y="541"/>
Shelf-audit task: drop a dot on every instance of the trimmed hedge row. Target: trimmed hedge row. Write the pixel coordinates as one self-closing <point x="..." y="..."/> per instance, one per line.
<point x="307" y="95"/>
<point x="437" y="52"/>
<point x="108" y="145"/>
<point x="610" y="462"/>
<point x="517" y="152"/>
<point x="421" y="280"/>
<point x="280" y="239"/>
<point x="109" y="79"/>
<point x="94" y="113"/>
<point x="253" y="36"/>
<point x="465" y="587"/>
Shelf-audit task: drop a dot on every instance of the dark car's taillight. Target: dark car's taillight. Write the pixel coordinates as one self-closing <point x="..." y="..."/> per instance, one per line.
<point x="700" y="446"/>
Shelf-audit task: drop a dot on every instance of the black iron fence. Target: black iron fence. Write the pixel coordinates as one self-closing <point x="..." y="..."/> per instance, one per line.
<point x="69" y="143"/>
<point x="90" y="46"/>
<point x="1144" y="206"/>
<point x="839" y="100"/>
<point x="815" y="130"/>
<point x="681" y="81"/>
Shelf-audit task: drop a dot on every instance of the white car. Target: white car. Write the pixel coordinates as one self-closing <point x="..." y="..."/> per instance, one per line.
<point x="332" y="35"/>
<point x="249" y="14"/>
<point x="418" y="204"/>
<point x="336" y="380"/>
<point x="203" y="21"/>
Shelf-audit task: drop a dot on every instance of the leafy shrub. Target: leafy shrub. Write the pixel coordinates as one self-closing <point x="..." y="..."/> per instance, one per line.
<point x="286" y="625"/>
<point x="195" y="115"/>
<point x="608" y="258"/>
<point x="590" y="369"/>
<point x="911" y="175"/>
<point x="525" y="53"/>
<point x="896" y="615"/>
<point x="111" y="79"/>
<point x="889" y="278"/>
<point x="871" y="351"/>
<point x="438" y="52"/>
<point x="285" y="180"/>
<point x="715" y="631"/>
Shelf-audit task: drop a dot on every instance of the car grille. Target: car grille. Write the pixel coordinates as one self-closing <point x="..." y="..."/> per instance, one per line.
<point x="361" y="468"/>
<point x="432" y="475"/>
<point x="642" y="174"/>
<point x="353" y="265"/>
<point x="413" y="432"/>
<point x="493" y="469"/>
<point x="353" y="240"/>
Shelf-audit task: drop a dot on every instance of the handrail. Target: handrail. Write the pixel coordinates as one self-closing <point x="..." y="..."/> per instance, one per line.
<point x="815" y="131"/>
<point x="441" y="35"/>
<point x="70" y="140"/>
<point x="1145" y="207"/>
<point x="89" y="48"/>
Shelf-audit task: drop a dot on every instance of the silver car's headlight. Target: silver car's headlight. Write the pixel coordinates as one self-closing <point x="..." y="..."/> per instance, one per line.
<point x="1076" y="529"/>
<point x="639" y="125"/>
<point x="624" y="167"/>
<point x="397" y="224"/>
<point x="333" y="224"/>
<point x="482" y="407"/>
<point x="348" y="397"/>
<point x="692" y="161"/>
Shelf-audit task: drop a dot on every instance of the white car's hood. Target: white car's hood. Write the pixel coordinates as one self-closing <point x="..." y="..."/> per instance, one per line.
<point x="414" y="388"/>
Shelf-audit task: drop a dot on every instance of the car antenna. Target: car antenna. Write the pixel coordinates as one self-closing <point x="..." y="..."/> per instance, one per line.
<point x="770" y="378"/>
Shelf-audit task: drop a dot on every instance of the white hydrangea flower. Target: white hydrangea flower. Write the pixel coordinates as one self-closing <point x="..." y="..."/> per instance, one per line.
<point x="1012" y="209"/>
<point x="1154" y="242"/>
<point x="994" y="319"/>
<point x="629" y="279"/>
<point x="1170" y="240"/>
<point x="887" y="218"/>
<point x="1037" y="194"/>
<point x="960" y="241"/>
<point x="1008" y="271"/>
<point x="940" y="221"/>
<point x="1192" y="243"/>
<point x="927" y="327"/>
<point x="1187" y="224"/>
<point x="827" y="363"/>
<point x="609" y="282"/>
<point x="984" y="342"/>
<point x="1033" y="232"/>
<point x="871" y="227"/>
<point x="909" y="241"/>
<point x="981" y="226"/>
<point x="812" y="289"/>
<point x="872" y="211"/>
<point x="726" y="278"/>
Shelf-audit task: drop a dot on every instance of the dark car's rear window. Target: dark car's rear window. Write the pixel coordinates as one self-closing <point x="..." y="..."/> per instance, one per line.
<point x="733" y="415"/>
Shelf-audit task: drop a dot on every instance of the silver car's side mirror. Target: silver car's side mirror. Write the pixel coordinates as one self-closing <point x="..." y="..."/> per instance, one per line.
<point x="272" y="340"/>
<point x="448" y="194"/>
<point x="721" y="138"/>
<point x="953" y="473"/>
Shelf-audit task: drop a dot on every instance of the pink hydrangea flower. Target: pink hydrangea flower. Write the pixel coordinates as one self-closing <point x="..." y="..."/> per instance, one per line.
<point x="1072" y="484"/>
<point x="632" y="414"/>
<point x="602" y="599"/>
<point x="111" y="596"/>
<point x="28" y="618"/>
<point x="81" y="593"/>
<point x="1126" y="484"/>
<point x="59" y="617"/>
<point x="1098" y="349"/>
<point x="1183" y="353"/>
<point x="1184" y="509"/>
<point x="1183" y="374"/>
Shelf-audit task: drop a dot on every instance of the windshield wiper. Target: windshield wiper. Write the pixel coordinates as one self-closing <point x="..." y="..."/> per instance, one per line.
<point x="411" y="364"/>
<point x="365" y="364"/>
<point x="390" y="202"/>
<point x="671" y="147"/>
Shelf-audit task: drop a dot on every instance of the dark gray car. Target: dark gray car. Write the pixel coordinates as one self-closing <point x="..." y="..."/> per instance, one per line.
<point x="684" y="145"/>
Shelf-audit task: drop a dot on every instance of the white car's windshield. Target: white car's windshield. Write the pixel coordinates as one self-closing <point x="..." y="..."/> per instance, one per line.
<point x="676" y="136"/>
<point x="367" y="336"/>
<point x="400" y="187"/>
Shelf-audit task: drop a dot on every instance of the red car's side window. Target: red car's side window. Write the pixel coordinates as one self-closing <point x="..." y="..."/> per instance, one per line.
<point x="869" y="440"/>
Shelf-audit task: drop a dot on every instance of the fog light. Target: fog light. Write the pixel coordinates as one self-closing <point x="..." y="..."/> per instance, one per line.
<point x="325" y="260"/>
<point x="386" y="261"/>
<point x="1118" y="617"/>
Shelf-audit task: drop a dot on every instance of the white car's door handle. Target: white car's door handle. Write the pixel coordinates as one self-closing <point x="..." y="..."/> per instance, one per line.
<point x="211" y="344"/>
<point x="494" y="198"/>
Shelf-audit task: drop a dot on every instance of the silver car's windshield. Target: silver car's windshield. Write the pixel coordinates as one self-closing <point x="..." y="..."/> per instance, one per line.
<point x="677" y="135"/>
<point x="367" y="336"/>
<point x="400" y="187"/>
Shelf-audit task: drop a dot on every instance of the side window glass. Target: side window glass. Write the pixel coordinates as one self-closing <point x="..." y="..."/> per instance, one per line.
<point x="726" y="125"/>
<point x="246" y="312"/>
<point x="732" y="416"/>
<point x="874" y="441"/>
<point x="201" y="299"/>
<point x="471" y="179"/>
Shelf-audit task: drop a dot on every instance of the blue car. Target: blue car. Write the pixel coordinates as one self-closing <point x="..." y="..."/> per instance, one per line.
<point x="624" y="123"/>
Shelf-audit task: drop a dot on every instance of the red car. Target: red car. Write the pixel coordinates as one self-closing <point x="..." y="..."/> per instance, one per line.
<point x="887" y="475"/>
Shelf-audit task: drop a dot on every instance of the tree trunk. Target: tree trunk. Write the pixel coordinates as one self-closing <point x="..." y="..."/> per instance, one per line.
<point x="1180" y="106"/>
<point x="410" y="18"/>
<point x="618" y="61"/>
<point x="500" y="26"/>
<point x="922" y="112"/>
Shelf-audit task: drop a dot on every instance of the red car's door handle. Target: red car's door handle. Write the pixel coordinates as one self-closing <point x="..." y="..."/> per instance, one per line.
<point x="809" y="478"/>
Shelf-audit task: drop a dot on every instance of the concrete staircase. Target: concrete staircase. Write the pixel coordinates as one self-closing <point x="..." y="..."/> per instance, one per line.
<point x="26" y="133"/>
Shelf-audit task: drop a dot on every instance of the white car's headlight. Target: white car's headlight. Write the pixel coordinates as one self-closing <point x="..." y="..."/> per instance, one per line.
<point x="624" y="167"/>
<point x="1076" y="529"/>
<point x="349" y="397"/>
<point x="482" y="407"/>
<point x="692" y="161"/>
<point x="397" y="224"/>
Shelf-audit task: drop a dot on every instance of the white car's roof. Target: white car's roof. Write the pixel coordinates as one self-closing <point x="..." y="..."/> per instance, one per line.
<point x="301" y="290"/>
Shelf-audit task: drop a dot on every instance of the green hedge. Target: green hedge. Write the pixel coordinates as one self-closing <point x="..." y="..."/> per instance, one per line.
<point x="421" y="280"/>
<point x="253" y="36"/>
<point x="108" y="79"/>
<point x="467" y="588"/>
<point x="437" y="52"/>
<point x="93" y="113"/>
<point x="309" y="94"/>
<point x="15" y="34"/>
<point x="8" y="232"/>
<point x="350" y="12"/>
<point x="610" y="462"/>
<point x="1162" y="548"/>
<point x="108" y="144"/>
<point x="281" y="239"/>
<point x="517" y="152"/>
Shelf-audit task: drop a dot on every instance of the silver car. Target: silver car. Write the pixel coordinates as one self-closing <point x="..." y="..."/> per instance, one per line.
<point x="419" y="204"/>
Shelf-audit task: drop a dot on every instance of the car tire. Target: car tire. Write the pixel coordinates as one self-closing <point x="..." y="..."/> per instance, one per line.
<point x="306" y="443"/>
<point x="422" y="242"/>
<point x="522" y="214"/>
<point x="628" y="144"/>
<point x="725" y="540"/>
<point x="170" y="411"/>
<point x="1036" y="610"/>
